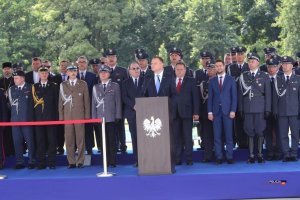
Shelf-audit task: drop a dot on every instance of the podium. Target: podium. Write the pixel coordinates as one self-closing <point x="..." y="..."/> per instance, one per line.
<point x="154" y="139"/>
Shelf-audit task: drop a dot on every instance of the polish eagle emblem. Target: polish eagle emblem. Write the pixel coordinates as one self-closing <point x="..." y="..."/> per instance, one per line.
<point x="152" y="127"/>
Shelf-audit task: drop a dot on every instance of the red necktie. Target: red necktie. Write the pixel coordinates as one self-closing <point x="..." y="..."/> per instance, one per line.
<point x="220" y="83"/>
<point x="178" y="87"/>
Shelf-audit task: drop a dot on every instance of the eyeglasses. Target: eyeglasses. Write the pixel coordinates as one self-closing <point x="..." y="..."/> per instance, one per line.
<point x="135" y="68"/>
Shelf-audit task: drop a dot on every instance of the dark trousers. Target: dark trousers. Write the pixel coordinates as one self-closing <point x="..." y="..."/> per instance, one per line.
<point x="240" y="135"/>
<point x="285" y="123"/>
<point x="89" y="137"/>
<point x="60" y="137"/>
<point x="19" y="134"/>
<point x="133" y="132"/>
<point x="1" y="145"/>
<point x="272" y="137"/>
<point x="98" y="136"/>
<point x="110" y="142"/>
<point x="45" y="137"/>
<point x="208" y="137"/>
<point x="220" y="122"/>
<point x="120" y="134"/>
<point x="183" y="138"/>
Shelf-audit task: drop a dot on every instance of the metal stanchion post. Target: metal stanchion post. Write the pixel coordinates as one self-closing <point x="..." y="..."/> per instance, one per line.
<point x="104" y="173"/>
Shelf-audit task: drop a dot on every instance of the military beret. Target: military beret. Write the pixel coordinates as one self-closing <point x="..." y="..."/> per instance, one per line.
<point x="141" y="54"/>
<point x="110" y="52"/>
<point x="287" y="60"/>
<point x="210" y="64"/>
<point x="272" y="61"/>
<point x="253" y="55"/>
<point x="233" y="50"/>
<point x="72" y="68"/>
<point x="43" y="69"/>
<point x="18" y="65"/>
<point x="19" y="73"/>
<point x="269" y="50"/>
<point x="298" y="54"/>
<point x="6" y="64"/>
<point x="94" y="61"/>
<point x="176" y="51"/>
<point x="240" y="49"/>
<point x="104" y="68"/>
<point x="205" y="54"/>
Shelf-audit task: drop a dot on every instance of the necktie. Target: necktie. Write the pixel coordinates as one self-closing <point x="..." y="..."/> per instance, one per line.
<point x="104" y="87"/>
<point x="20" y="88"/>
<point x="240" y="66"/>
<point x="135" y="83"/>
<point x="64" y="77"/>
<point x="82" y="76"/>
<point x="72" y="83"/>
<point x="178" y="87"/>
<point x="220" y="83"/>
<point x="287" y="79"/>
<point x="252" y="74"/>
<point x="157" y="83"/>
<point x="112" y="70"/>
<point x="44" y="85"/>
<point x="272" y="79"/>
<point x="143" y="73"/>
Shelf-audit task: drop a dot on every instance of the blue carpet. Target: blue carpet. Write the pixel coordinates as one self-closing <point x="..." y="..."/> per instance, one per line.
<point x="200" y="181"/>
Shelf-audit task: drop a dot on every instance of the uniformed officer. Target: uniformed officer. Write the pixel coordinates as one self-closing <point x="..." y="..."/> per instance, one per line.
<point x="273" y="145"/>
<point x="20" y="97"/>
<point x="297" y="64"/>
<point x="201" y="75"/>
<point x="45" y="96"/>
<point x="95" y="64"/>
<point x="141" y="57"/>
<point x="269" y="52"/>
<point x="106" y="103"/>
<point x="207" y="126"/>
<point x="287" y="108"/>
<point x="3" y="117"/>
<point x="254" y="104"/>
<point x="74" y="103"/>
<point x="235" y="70"/>
<point x="233" y="51"/>
<point x="19" y="66"/>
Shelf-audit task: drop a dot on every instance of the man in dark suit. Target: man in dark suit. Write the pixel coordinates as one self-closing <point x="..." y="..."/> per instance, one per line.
<point x="187" y="111"/>
<point x="91" y="79"/>
<point x="287" y="109"/>
<point x="45" y="96"/>
<point x="176" y="56"/>
<point x="117" y="75"/>
<point x="131" y="89"/>
<point x="3" y="118"/>
<point x="141" y="57"/>
<point x="222" y="105"/>
<point x="32" y="77"/>
<point x="6" y="82"/>
<point x="255" y="104"/>
<point x="235" y="70"/>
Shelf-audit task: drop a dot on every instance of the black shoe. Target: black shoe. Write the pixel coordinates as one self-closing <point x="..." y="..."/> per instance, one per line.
<point x="60" y="152"/>
<point x="251" y="160"/>
<point x="260" y="159"/>
<point x="219" y="161"/>
<point x="1" y="165"/>
<point x="80" y="165"/>
<point x="99" y="151"/>
<point x="136" y="164"/>
<point x="293" y="159"/>
<point x="178" y="163"/>
<point x="286" y="159"/>
<point x="52" y="166"/>
<point x="270" y="158"/>
<point x="89" y="152"/>
<point x="189" y="162"/>
<point x="19" y="166"/>
<point x="31" y="166"/>
<point x="112" y="165"/>
<point x="41" y="166"/>
<point x="277" y="157"/>
<point x="71" y="166"/>
<point x="206" y="160"/>
<point x="230" y="161"/>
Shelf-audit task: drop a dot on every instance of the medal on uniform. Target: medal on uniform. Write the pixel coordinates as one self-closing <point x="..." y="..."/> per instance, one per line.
<point x="294" y="89"/>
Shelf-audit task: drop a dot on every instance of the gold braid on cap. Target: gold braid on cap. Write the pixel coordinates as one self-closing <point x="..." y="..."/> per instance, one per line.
<point x="36" y="99"/>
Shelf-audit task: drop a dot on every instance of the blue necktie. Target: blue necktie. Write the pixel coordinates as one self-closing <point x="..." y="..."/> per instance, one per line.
<point x="157" y="83"/>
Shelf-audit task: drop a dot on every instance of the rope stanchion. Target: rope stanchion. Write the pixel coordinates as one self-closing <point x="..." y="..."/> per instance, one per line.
<point x="104" y="173"/>
<point x="42" y="123"/>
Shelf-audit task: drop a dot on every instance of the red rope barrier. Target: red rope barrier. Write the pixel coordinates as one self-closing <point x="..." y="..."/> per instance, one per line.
<point x="40" y="123"/>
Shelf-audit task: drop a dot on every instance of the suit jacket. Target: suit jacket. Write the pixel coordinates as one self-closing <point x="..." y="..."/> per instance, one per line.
<point x="235" y="71"/>
<point x="21" y="103"/>
<point x="148" y="72"/>
<point x="29" y="77"/>
<point x="227" y="98"/>
<point x="169" y="69"/>
<point x="200" y="76"/>
<point x="288" y="104"/>
<point x="3" y="108"/>
<point x="119" y="75"/>
<point x="48" y="110"/>
<point x="79" y="106"/>
<point x="91" y="79"/>
<point x="107" y="103"/>
<point x="260" y="93"/>
<point x="203" y="95"/>
<point x="129" y="93"/>
<point x="188" y="99"/>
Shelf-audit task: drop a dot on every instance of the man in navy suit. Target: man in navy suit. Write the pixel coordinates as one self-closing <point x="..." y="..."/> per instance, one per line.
<point x="117" y="75"/>
<point x="131" y="89"/>
<point x="222" y="105"/>
<point x="91" y="79"/>
<point x="187" y="111"/>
